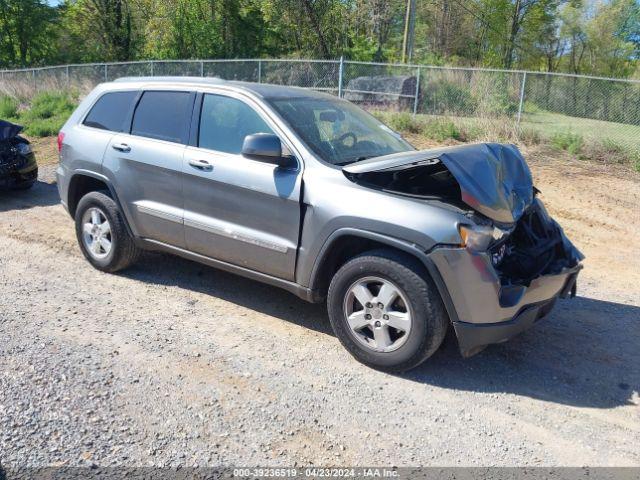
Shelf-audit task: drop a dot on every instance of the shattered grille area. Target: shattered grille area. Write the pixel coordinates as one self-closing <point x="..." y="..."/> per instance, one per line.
<point x="536" y="247"/>
<point x="10" y="159"/>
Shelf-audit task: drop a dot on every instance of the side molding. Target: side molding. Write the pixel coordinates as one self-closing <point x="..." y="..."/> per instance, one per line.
<point x="292" y="287"/>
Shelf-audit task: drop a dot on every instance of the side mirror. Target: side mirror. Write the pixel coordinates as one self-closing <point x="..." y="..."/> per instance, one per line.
<point x="266" y="147"/>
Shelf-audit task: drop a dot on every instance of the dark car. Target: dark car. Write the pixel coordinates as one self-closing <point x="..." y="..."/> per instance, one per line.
<point x="18" y="167"/>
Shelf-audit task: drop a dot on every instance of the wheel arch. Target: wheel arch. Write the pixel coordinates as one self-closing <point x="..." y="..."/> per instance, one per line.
<point x="345" y="243"/>
<point x="85" y="181"/>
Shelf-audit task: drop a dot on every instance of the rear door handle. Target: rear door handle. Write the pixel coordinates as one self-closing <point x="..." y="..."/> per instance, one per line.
<point x="201" y="164"/>
<point x="121" y="147"/>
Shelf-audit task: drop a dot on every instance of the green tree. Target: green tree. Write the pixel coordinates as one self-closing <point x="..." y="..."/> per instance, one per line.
<point x="574" y="35"/>
<point x="27" y="32"/>
<point x="613" y="38"/>
<point x="99" y="30"/>
<point x="577" y="36"/>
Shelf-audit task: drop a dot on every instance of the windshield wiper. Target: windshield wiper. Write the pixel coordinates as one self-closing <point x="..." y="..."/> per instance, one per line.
<point x="357" y="159"/>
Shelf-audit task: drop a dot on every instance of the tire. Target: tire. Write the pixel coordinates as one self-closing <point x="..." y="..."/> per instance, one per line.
<point x="428" y="318"/>
<point x="122" y="251"/>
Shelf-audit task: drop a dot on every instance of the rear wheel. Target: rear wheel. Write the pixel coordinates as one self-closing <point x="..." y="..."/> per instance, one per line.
<point x="102" y="235"/>
<point x="386" y="311"/>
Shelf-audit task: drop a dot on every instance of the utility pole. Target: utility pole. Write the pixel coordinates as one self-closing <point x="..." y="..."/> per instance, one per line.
<point x="409" y="29"/>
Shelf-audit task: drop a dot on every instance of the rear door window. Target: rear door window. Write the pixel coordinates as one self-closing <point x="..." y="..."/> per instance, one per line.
<point x="225" y="121"/>
<point x="110" y="111"/>
<point x="163" y="115"/>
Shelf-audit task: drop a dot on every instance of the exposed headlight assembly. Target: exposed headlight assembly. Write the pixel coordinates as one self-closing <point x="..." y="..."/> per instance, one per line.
<point x="24" y="148"/>
<point x="478" y="238"/>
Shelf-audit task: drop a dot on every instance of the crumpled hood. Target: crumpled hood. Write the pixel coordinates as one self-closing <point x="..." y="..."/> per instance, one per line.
<point x="494" y="178"/>
<point x="8" y="130"/>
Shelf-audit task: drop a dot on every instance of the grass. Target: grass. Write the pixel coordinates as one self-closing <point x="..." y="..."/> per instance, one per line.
<point x="45" y="113"/>
<point x="44" y="127"/>
<point x="610" y="145"/>
<point x="433" y="128"/>
<point x="8" y="108"/>
<point x="548" y="124"/>
<point x="571" y="142"/>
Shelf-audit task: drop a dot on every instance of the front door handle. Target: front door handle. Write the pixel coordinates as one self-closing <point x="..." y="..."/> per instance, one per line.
<point x="201" y="164"/>
<point x="121" y="147"/>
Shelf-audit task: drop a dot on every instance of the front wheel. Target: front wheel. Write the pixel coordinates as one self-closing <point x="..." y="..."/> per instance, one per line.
<point x="385" y="310"/>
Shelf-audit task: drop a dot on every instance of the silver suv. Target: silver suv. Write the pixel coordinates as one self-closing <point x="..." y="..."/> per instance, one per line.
<point x="308" y="192"/>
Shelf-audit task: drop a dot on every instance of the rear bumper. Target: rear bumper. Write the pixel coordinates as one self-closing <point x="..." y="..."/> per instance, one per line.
<point x="487" y="312"/>
<point x="62" y="181"/>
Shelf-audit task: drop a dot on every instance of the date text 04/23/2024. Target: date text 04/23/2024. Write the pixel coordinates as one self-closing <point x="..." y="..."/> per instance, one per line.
<point x="315" y="472"/>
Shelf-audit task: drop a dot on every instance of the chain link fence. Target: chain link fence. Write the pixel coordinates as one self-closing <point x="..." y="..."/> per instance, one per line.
<point x="598" y="109"/>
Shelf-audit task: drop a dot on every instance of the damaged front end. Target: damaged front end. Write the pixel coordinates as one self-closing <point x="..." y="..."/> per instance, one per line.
<point x="18" y="167"/>
<point x="537" y="246"/>
<point x="513" y="260"/>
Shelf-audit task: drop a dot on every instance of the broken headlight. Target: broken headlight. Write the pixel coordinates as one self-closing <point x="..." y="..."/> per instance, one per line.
<point x="24" y="148"/>
<point x="478" y="238"/>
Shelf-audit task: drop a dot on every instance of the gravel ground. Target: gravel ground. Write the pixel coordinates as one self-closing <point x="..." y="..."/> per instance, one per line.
<point x="176" y="364"/>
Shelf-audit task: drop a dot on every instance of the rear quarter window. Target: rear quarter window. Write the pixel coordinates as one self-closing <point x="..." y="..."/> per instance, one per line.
<point x="163" y="116"/>
<point x="110" y="111"/>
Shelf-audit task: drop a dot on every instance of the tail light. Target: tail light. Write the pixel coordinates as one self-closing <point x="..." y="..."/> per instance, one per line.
<point x="60" y="140"/>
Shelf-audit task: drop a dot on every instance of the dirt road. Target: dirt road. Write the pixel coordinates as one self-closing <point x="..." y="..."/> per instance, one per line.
<point x="174" y="363"/>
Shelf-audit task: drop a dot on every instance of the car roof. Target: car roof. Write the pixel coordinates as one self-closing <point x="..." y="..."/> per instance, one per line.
<point x="261" y="89"/>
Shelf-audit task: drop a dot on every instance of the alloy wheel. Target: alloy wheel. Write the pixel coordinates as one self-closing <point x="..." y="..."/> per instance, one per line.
<point x="96" y="233"/>
<point x="378" y="314"/>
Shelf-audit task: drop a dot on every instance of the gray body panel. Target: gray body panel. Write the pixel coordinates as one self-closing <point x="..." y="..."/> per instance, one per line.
<point x="494" y="178"/>
<point x="277" y="225"/>
<point x="148" y="179"/>
<point x="334" y="203"/>
<point x="242" y="211"/>
<point x="476" y="291"/>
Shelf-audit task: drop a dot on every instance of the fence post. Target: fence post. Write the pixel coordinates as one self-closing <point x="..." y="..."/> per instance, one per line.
<point x="33" y="75"/>
<point x="340" y="73"/>
<point x="106" y="74"/>
<point x="415" y="100"/>
<point x="151" y="67"/>
<point x="68" y="76"/>
<point x="259" y="71"/>
<point x="524" y="81"/>
<point x="202" y="68"/>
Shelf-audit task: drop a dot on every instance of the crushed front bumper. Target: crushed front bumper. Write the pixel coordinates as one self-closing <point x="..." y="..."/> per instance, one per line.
<point x="21" y="172"/>
<point x="485" y="310"/>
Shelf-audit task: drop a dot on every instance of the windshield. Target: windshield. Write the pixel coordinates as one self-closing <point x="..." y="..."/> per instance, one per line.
<point x="338" y="131"/>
